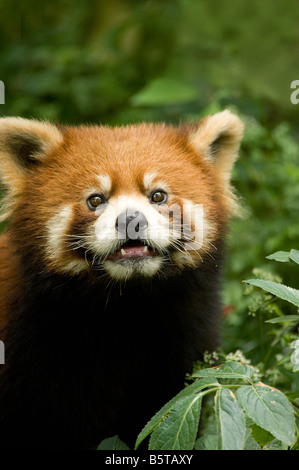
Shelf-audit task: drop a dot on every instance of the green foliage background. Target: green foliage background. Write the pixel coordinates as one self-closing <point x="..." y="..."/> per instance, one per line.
<point x="123" y="61"/>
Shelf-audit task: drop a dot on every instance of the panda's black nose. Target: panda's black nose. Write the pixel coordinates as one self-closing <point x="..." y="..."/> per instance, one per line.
<point x="131" y="224"/>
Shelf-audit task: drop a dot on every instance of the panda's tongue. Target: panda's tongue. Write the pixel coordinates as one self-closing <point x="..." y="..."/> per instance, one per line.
<point x="134" y="251"/>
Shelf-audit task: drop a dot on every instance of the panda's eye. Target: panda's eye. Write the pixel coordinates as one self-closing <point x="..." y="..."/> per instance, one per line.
<point x="158" y="196"/>
<point x="94" y="201"/>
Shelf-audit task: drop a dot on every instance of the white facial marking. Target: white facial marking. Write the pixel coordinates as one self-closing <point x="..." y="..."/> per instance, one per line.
<point x="57" y="228"/>
<point x="57" y="242"/>
<point x="103" y="238"/>
<point x="151" y="182"/>
<point x="105" y="183"/>
<point x="106" y="234"/>
<point x="124" y="271"/>
<point x="188" y="230"/>
<point x="148" y="180"/>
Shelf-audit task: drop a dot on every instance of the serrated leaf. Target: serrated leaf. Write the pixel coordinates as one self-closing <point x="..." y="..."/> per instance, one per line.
<point x="178" y="430"/>
<point x="279" y="290"/>
<point x="228" y="370"/>
<point x="270" y="409"/>
<point x="294" y="255"/>
<point x="207" y="442"/>
<point x="190" y="390"/>
<point x="230" y="421"/>
<point x="282" y="256"/>
<point x="284" y="318"/>
<point x="112" y="443"/>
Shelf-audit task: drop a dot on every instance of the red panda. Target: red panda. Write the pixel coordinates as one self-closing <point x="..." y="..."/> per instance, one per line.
<point x="110" y="272"/>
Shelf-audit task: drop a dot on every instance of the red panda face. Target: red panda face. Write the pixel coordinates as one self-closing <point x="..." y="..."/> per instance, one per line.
<point x="129" y="202"/>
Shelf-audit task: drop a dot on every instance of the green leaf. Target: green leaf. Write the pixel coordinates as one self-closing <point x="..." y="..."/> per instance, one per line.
<point x="228" y="370"/>
<point x="113" y="443"/>
<point x="230" y="421"/>
<point x="190" y="390"/>
<point x="270" y="409"/>
<point x="280" y="290"/>
<point x="276" y="444"/>
<point x="164" y="91"/>
<point x="262" y="436"/>
<point x="294" y="397"/>
<point x="294" y="255"/>
<point x="284" y="318"/>
<point x="178" y="430"/>
<point x="282" y="256"/>
<point x="250" y="442"/>
<point x="207" y="442"/>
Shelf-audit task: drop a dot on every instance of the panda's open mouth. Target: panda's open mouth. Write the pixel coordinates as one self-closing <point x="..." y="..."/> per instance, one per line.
<point x="132" y="249"/>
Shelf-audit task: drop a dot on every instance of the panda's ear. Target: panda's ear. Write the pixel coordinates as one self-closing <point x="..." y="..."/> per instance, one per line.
<point x="217" y="138"/>
<point x="24" y="144"/>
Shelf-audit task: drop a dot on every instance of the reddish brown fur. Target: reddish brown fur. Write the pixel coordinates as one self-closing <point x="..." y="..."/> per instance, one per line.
<point x="84" y="341"/>
<point x="125" y="154"/>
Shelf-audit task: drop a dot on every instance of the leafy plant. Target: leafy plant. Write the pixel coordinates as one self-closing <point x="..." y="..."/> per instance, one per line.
<point x="246" y="413"/>
<point x="246" y="410"/>
<point x="176" y="426"/>
<point x="279" y="290"/>
<point x="124" y="61"/>
<point x="289" y="294"/>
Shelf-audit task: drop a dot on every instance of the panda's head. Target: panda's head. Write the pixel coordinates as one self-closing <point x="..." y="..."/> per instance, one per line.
<point x="129" y="202"/>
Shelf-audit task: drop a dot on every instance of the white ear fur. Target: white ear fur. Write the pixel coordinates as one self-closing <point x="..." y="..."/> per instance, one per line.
<point x="23" y="144"/>
<point x="218" y="139"/>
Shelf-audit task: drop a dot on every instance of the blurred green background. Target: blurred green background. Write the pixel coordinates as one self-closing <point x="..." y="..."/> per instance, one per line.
<point x="124" y="61"/>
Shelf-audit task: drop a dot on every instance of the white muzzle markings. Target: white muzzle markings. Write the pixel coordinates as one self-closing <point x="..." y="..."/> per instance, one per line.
<point x="172" y="231"/>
